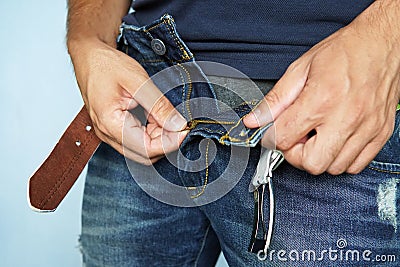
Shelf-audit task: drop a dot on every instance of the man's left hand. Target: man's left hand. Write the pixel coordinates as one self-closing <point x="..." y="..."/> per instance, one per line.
<point x="344" y="91"/>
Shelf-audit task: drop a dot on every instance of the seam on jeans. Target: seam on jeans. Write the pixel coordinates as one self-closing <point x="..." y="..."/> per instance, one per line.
<point x="203" y="188"/>
<point x="195" y="122"/>
<point x="153" y="27"/>
<point x="233" y="139"/>
<point x="203" y="244"/>
<point x="183" y="91"/>
<point x="167" y="22"/>
<point x="170" y="27"/>
<point x="177" y="41"/>
<point x="189" y="92"/>
<point x="384" y="171"/>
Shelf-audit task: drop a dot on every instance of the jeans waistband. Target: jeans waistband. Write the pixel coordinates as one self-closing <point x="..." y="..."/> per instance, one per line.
<point x="166" y="58"/>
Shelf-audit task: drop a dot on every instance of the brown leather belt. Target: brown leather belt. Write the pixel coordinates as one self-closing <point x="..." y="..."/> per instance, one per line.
<point x="51" y="182"/>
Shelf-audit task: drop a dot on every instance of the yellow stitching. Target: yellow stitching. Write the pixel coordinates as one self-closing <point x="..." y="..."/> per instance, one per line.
<point x="214" y="122"/>
<point x="189" y="91"/>
<point x="183" y="87"/>
<point x="233" y="139"/>
<point x="384" y="171"/>
<point x="169" y="26"/>
<point x="155" y="26"/>
<point x="177" y="42"/>
<point x="185" y="54"/>
<point x="193" y="123"/>
<point x="206" y="178"/>
<point x="227" y="136"/>
<point x="167" y="22"/>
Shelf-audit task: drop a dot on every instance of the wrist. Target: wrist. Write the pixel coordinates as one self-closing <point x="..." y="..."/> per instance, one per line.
<point x="81" y="36"/>
<point x="78" y="47"/>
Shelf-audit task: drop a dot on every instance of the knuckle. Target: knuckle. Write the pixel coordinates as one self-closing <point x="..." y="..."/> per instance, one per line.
<point x="336" y="170"/>
<point x="162" y="108"/>
<point x="272" y="97"/>
<point x="313" y="166"/>
<point x="283" y="143"/>
<point x="354" y="170"/>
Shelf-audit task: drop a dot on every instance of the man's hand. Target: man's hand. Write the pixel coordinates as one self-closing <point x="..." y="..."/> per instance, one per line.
<point x="112" y="83"/>
<point x="344" y="91"/>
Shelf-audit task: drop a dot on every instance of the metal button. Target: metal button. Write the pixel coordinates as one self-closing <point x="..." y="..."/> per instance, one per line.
<point x="158" y="47"/>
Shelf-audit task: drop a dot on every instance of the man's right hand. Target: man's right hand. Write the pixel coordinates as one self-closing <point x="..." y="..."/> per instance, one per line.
<point x="109" y="81"/>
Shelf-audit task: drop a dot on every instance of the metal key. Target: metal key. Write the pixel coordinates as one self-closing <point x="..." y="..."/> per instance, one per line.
<point x="269" y="161"/>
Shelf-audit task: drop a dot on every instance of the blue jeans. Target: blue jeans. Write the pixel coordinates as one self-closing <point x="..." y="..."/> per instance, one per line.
<point x="346" y="220"/>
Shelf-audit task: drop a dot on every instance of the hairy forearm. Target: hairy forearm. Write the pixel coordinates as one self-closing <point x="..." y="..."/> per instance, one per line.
<point x="94" y="20"/>
<point x="382" y="20"/>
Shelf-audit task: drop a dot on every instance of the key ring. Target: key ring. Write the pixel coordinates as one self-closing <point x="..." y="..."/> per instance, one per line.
<point x="269" y="161"/>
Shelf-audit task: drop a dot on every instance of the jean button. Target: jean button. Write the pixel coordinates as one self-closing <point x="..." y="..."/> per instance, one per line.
<point x="158" y="47"/>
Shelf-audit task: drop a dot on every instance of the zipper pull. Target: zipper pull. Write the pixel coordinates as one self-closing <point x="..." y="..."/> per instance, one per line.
<point x="268" y="162"/>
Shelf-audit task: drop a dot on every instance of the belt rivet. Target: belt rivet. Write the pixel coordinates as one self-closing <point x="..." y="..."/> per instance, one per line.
<point x="158" y="47"/>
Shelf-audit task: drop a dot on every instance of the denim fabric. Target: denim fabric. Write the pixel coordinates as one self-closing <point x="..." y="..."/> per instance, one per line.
<point x="320" y="220"/>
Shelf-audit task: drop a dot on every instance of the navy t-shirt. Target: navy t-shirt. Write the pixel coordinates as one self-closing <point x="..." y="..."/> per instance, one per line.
<point x="258" y="37"/>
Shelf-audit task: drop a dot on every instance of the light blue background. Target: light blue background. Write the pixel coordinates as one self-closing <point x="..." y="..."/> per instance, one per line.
<point x="38" y="98"/>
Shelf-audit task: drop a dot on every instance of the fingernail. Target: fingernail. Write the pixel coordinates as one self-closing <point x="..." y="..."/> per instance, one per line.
<point x="177" y="123"/>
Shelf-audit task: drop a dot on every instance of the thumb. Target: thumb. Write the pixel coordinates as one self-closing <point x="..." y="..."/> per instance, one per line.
<point x="284" y="93"/>
<point x="157" y="105"/>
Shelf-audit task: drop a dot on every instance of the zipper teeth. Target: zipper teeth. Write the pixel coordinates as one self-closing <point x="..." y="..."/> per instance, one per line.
<point x="193" y="123"/>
